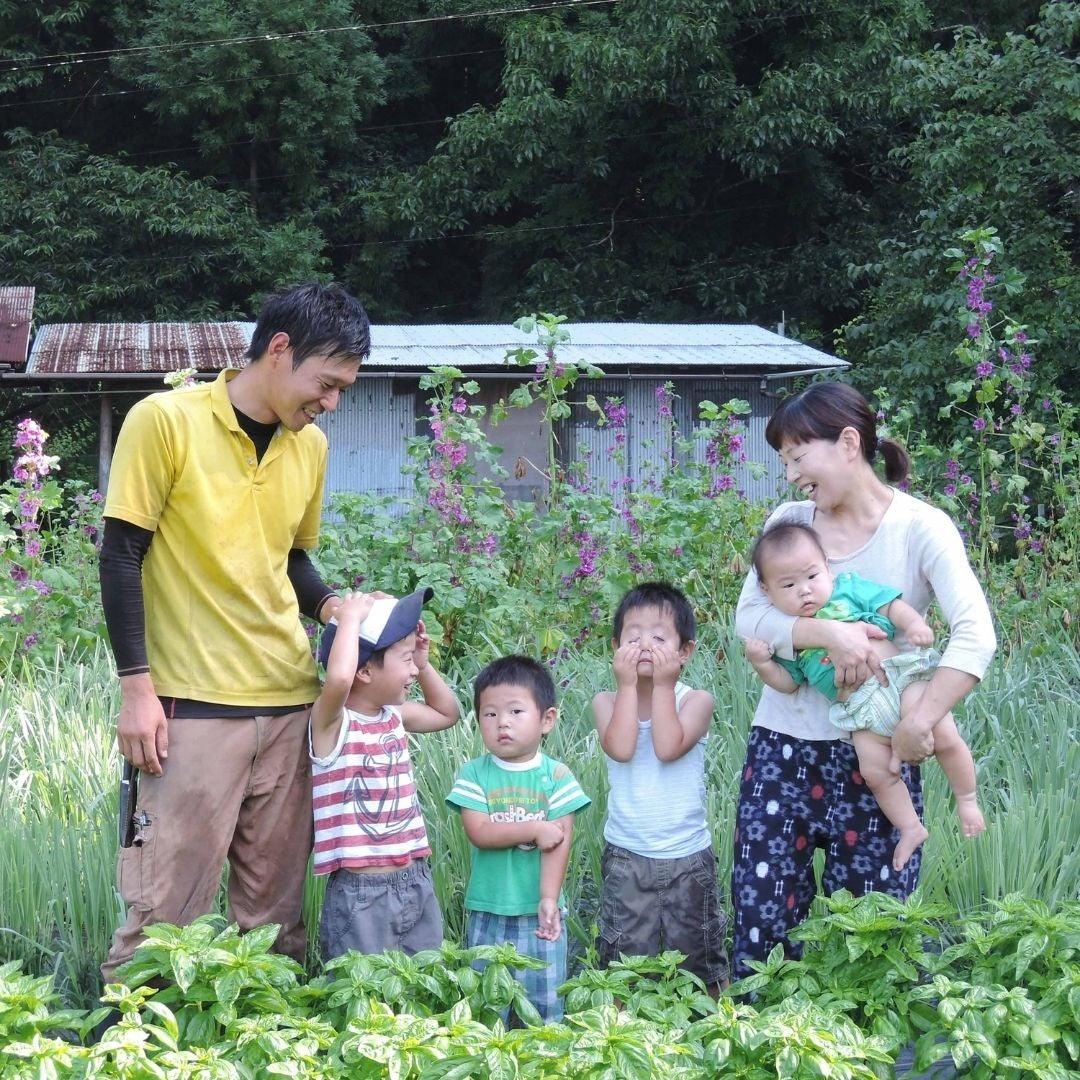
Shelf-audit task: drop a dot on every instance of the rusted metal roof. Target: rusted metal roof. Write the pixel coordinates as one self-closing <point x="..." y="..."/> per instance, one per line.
<point x="98" y="350"/>
<point x="16" y="315"/>
<point x="102" y="349"/>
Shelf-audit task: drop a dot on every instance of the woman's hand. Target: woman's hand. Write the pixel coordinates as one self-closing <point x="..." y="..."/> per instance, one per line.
<point x="853" y="656"/>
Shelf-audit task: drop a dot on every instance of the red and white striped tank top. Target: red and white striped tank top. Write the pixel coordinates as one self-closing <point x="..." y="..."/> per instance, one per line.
<point x="367" y="812"/>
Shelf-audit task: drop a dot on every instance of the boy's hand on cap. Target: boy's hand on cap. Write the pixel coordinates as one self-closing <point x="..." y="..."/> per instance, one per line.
<point x="549" y="835"/>
<point x="355" y="607"/>
<point x="423" y="647"/>
<point x="665" y="666"/>
<point x="549" y="919"/>
<point x="625" y="664"/>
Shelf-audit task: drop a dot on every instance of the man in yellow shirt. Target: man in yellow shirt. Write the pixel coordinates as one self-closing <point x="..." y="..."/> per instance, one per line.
<point x="214" y="499"/>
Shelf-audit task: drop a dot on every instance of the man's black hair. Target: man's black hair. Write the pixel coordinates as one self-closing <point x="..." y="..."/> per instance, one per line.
<point x="319" y="319"/>
<point x="658" y="594"/>
<point x="521" y="671"/>
<point x="780" y="538"/>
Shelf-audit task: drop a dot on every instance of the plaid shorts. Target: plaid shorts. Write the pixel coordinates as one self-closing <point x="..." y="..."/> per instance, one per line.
<point x="486" y="928"/>
<point x="876" y="708"/>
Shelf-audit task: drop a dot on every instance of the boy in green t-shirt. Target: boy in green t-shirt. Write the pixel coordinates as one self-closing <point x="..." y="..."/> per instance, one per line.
<point x="517" y="806"/>
<point x="794" y="573"/>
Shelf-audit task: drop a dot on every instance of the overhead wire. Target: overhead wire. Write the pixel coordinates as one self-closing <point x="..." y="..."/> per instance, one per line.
<point x="51" y="60"/>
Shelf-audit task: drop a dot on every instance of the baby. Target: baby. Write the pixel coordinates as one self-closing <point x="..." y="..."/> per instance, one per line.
<point x="794" y="573"/>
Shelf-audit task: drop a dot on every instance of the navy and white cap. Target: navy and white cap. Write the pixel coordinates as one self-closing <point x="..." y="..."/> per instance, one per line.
<point x="389" y="621"/>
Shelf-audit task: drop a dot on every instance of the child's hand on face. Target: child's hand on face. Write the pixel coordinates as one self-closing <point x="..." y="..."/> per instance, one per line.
<point x="549" y="835"/>
<point x="921" y="635"/>
<point x="355" y="608"/>
<point x="423" y="647"/>
<point x="550" y="920"/>
<point x="625" y="664"/>
<point x="758" y="651"/>
<point x="665" y="666"/>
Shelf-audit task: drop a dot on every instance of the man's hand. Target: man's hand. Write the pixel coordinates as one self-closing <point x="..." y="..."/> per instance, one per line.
<point x="757" y="651"/>
<point x="142" y="732"/>
<point x="422" y="651"/>
<point x="549" y="835"/>
<point x="666" y="666"/>
<point x="625" y="664"/>
<point x="550" y="920"/>
<point x="853" y="657"/>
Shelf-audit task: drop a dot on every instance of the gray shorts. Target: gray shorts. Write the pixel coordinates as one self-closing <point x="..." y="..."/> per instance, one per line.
<point x="372" y="913"/>
<point x="649" y="905"/>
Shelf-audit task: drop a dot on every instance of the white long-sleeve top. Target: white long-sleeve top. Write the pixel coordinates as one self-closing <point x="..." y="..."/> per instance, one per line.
<point x="916" y="549"/>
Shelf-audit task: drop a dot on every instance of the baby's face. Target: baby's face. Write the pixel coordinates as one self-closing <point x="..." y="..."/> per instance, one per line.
<point x="796" y="579"/>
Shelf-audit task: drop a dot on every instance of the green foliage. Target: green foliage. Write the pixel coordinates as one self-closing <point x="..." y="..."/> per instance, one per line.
<point x="82" y="228"/>
<point x="232" y="1008"/>
<point x="994" y="140"/>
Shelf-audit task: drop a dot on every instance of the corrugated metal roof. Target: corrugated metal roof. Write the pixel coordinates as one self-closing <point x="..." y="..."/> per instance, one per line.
<point x="94" y="349"/>
<point x="16" y="315"/>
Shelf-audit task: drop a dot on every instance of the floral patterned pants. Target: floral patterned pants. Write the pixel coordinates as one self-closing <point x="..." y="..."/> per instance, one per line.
<point x="798" y="795"/>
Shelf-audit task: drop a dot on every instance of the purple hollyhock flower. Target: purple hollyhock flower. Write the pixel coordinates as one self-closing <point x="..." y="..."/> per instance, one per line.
<point x="984" y="369"/>
<point x="1016" y="409"/>
<point x="950" y="489"/>
<point x="979" y="424"/>
<point x="1046" y="405"/>
<point x="973" y="330"/>
<point x="459" y="404"/>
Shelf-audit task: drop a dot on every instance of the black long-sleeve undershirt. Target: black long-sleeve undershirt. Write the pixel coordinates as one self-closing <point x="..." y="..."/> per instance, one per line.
<point x="124" y="547"/>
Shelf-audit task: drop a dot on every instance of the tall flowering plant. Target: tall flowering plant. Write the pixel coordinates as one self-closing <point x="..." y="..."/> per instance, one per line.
<point x="47" y="546"/>
<point x="1008" y="475"/>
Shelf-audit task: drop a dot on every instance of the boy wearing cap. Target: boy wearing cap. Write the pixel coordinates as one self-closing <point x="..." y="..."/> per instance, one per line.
<point x="369" y="833"/>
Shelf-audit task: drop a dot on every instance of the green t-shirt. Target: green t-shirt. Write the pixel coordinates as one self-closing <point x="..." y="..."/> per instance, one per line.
<point x="506" y="881"/>
<point x="853" y="599"/>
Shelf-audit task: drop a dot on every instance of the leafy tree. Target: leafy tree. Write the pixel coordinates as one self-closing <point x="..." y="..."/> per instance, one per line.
<point x="277" y="103"/>
<point x="102" y="239"/>
<point x="996" y="143"/>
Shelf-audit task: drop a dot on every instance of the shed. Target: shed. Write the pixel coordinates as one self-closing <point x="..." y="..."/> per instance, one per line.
<point x="716" y="361"/>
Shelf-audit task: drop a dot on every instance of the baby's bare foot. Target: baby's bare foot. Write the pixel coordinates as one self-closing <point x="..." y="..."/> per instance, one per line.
<point x="910" y="839"/>
<point x="971" y="819"/>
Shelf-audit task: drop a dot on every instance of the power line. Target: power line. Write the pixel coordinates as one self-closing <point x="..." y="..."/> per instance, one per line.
<point x="222" y="82"/>
<point x="507" y="232"/>
<point x="90" y="56"/>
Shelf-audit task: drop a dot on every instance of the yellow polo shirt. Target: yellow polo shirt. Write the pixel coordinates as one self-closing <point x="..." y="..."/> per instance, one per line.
<point x="222" y="621"/>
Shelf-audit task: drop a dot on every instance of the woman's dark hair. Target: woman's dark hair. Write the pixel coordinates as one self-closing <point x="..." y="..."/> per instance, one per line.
<point x="521" y="671"/>
<point x="782" y="537"/>
<point x="319" y="319"/>
<point x="822" y="411"/>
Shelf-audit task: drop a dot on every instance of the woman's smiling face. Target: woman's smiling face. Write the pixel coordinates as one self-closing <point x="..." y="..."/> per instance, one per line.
<point x="817" y="468"/>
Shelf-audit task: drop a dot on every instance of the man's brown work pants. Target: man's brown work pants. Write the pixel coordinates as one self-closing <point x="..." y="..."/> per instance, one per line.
<point x="237" y="788"/>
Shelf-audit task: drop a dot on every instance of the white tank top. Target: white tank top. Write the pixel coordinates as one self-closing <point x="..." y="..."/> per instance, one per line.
<point x="657" y="808"/>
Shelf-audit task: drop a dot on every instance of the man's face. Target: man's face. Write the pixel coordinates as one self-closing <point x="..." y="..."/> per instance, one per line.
<point x="299" y="395"/>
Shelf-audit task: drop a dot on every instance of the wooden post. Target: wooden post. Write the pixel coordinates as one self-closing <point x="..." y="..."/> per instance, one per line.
<point x="105" y="442"/>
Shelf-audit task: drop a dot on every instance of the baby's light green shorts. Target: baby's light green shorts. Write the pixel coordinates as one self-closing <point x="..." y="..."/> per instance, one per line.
<point x="876" y="708"/>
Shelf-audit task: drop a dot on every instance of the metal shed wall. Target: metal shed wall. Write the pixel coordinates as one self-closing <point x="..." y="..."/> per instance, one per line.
<point x="646" y="448"/>
<point x="367" y="436"/>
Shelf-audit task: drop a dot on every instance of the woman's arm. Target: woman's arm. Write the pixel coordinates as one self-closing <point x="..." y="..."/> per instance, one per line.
<point x="941" y="558"/>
